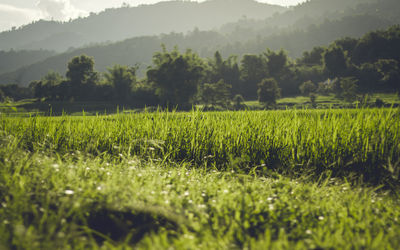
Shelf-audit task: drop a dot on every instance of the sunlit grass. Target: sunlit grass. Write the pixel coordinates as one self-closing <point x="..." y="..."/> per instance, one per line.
<point x="295" y="179"/>
<point x="48" y="203"/>
<point x="364" y="142"/>
<point x="326" y="100"/>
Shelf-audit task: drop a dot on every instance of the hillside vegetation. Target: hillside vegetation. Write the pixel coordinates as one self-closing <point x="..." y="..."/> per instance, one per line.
<point x="350" y="69"/>
<point x="314" y="23"/>
<point x="118" y="24"/>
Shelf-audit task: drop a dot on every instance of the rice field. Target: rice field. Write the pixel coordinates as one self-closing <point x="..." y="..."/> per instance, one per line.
<point x="294" y="179"/>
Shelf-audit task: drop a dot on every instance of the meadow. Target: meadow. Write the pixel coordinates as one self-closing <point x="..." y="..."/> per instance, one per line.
<point x="292" y="179"/>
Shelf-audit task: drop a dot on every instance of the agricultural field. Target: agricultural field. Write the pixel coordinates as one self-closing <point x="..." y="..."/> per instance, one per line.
<point x="330" y="101"/>
<point x="28" y="107"/>
<point x="293" y="179"/>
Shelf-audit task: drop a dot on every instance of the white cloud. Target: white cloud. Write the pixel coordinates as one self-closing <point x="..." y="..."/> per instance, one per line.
<point x="283" y="2"/>
<point x="59" y="9"/>
<point x="11" y="16"/>
<point x="20" y="12"/>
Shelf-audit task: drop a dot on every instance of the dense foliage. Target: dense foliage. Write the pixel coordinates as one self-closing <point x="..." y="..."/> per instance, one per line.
<point x="348" y="68"/>
<point x="299" y="29"/>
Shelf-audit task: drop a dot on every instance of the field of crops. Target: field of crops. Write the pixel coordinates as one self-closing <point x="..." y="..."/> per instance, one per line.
<point x="262" y="179"/>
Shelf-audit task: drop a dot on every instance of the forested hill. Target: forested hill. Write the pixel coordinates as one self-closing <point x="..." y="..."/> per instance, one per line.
<point x="12" y="60"/>
<point x="140" y="50"/>
<point x="314" y="14"/>
<point x="121" y="23"/>
<point x="319" y="22"/>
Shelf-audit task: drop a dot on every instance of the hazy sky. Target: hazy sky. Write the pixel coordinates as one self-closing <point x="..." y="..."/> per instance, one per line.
<point x="19" y="12"/>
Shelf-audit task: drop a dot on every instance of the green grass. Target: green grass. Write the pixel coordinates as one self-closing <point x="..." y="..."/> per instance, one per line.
<point x="34" y="107"/>
<point x="219" y="180"/>
<point x="362" y="142"/>
<point x="47" y="204"/>
<point x="325" y="101"/>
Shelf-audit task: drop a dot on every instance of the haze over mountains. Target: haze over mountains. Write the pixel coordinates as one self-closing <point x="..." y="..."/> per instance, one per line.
<point x="126" y="22"/>
<point x="230" y="26"/>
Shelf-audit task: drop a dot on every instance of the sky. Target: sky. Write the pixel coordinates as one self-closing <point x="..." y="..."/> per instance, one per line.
<point x="14" y="13"/>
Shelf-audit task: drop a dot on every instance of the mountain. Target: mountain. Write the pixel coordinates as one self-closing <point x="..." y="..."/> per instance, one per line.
<point x="140" y="50"/>
<point x="296" y="41"/>
<point x="242" y="37"/>
<point x="12" y="60"/>
<point x="132" y="51"/>
<point x="313" y="13"/>
<point x="316" y="10"/>
<point x="117" y="24"/>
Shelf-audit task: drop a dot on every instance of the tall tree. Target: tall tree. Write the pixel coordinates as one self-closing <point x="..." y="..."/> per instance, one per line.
<point x="268" y="91"/>
<point x="253" y="70"/>
<point x="215" y="94"/>
<point x="279" y="68"/>
<point x="335" y="61"/>
<point x="308" y="87"/>
<point x="227" y="70"/>
<point x="50" y="84"/>
<point x="348" y="86"/>
<point x="389" y="70"/>
<point x="122" y="78"/>
<point x="312" y="58"/>
<point x="82" y="77"/>
<point x="176" y="76"/>
<point x="276" y="62"/>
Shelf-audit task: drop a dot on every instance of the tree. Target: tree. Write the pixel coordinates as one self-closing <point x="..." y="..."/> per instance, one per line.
<point x="122" y="78"/>
<point x="276" y="63"/>
<point x="348" y="86"/>
<point x="313" y="99"/>
<point x="389" y="70"/>
<point x="323" y="88"/>
<point x="238" y="101"/>
<point x="308" y="87"/>
<point x="335" y="61"/>
<point x="312" y="58"/>
<point x="50" y="83"/>
<point x="81" y="70"/>
<point x="347" y="44"/>
<point x="2" y="96"/>
<point x="282" y="70"/>
<point x="369" y="77"/>
<point x="253" y="69"/>
<point x="176" y="77"/>
<point x="82" y="77"/>
<point x="268" y="91"/>
<point x="227" y="70"/>
<point x="215" y="94"/>
<point x="14" y="92"/>
<point x="377" y="45"/>
<point x="36" y="87"/>
<point x="206" y="94"/>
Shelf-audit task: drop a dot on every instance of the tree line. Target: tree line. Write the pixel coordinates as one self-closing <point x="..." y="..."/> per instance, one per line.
<point x="348" y="67"/>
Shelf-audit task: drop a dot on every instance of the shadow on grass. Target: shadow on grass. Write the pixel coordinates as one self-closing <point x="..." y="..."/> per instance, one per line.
<point x="131" y="225"/>
<point x="105" y="224"/>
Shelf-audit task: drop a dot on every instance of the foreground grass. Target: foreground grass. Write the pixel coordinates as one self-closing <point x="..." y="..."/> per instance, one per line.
<point x="87" y="202"/>
<point x="202" y="180"/>
<point x="362" y="143"/>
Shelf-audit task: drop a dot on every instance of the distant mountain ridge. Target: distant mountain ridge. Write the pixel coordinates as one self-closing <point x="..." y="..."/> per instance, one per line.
<point x="247" y="35"/>
<point x="117" y="24"/>
<point x="12" y="60"/>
